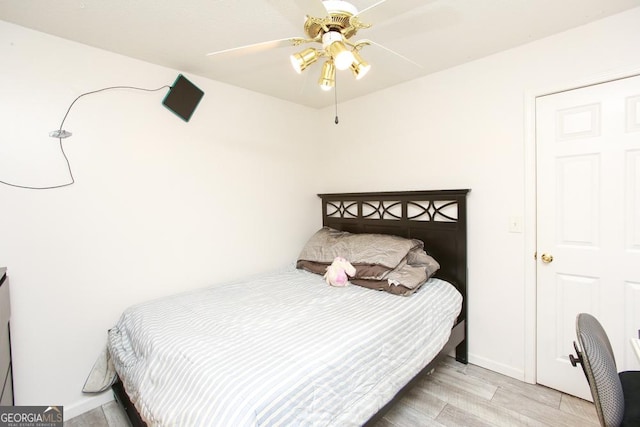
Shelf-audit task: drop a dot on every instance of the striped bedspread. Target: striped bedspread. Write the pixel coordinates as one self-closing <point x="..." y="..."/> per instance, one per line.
<point x="279" y="350"/>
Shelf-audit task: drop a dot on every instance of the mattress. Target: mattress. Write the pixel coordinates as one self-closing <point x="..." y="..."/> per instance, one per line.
<point x="280" y="349"/>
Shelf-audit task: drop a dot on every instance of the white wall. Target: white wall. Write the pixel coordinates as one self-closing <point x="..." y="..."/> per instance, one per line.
<point x="466" y="127"/>
<point x="159" y="205"/>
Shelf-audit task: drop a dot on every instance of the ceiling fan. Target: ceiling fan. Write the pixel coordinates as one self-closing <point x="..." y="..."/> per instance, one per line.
<point x="330" y="25"/>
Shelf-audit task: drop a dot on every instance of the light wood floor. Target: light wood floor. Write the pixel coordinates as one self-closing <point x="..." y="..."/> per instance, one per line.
<point x="454" y="395"/>
<point x="467" y="395"/>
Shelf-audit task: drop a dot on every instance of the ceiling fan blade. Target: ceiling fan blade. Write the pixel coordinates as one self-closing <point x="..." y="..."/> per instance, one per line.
<point x="364" y="11"/>
<point x="383" y="9"/>
<point x="370" y="42"/>
<point x="313" y="8"/>
<point x="258" y="47"/>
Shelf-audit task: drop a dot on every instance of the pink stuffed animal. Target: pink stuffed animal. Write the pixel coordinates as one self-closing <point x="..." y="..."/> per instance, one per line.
<point x="338" y="271"/>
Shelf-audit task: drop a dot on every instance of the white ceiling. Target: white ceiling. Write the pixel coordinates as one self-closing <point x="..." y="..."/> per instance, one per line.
<point x="437" y="34"/>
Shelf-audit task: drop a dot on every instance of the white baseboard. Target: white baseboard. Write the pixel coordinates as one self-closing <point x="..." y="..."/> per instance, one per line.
<point x="87" y="404"/>
<point x="500" y="368"/>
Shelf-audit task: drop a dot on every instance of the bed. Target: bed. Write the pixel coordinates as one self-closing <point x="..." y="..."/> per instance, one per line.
<point x="303" y="353"/>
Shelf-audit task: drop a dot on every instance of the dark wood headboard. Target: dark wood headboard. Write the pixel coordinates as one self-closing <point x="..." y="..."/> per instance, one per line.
<point x="438" y="218"/>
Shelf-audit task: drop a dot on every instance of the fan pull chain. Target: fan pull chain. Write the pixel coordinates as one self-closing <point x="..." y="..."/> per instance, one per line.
<point x="335" y="92"/>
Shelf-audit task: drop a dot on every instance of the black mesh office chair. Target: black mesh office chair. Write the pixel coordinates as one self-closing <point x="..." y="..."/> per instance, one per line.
<point x="616" y="395"/>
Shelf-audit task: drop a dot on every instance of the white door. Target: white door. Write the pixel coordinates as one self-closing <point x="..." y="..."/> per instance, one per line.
<point x="588" y="220"/>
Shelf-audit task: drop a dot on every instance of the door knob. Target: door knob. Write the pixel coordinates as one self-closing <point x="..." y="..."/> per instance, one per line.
<point x="547" y="258"/>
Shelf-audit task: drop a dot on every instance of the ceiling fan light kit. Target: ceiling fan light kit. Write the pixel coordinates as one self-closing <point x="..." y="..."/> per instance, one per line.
<point x="333" y="31"/>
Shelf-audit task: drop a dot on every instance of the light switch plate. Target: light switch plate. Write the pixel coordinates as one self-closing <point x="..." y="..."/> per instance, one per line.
<point x="515" y="224"/>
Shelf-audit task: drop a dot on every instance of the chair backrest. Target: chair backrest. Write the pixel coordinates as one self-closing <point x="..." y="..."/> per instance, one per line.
<point x="600" y="368"/>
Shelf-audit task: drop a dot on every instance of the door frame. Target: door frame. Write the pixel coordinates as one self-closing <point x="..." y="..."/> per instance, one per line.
<point x="530" y="211"/>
